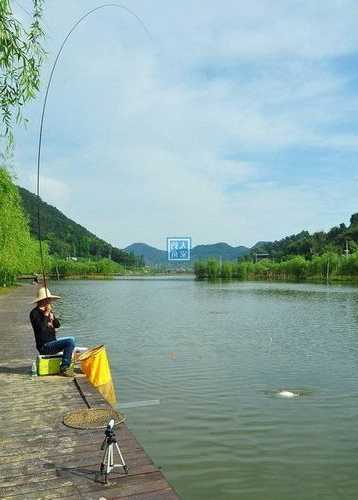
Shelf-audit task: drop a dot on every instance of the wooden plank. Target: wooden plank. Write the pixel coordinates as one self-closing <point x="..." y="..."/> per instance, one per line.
<point x="135" y="462"/>
<point x="39" y="456"/>
<point x="126" y="486"/>
<point x="29" y="487"/>
<point x="57" y="443"/>
<point x="68" y="492"/>
<point x="156" y="495"/>
<point x="68" y="473"/>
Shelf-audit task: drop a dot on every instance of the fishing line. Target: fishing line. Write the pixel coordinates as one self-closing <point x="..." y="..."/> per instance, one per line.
<point x="80" y="20"/>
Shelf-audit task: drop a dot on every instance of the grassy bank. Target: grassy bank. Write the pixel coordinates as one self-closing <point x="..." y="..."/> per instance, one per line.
<point x="321" y="268"/>
<point x="90" y="269"/>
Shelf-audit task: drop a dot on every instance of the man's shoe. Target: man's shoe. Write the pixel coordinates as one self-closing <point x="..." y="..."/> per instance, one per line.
<point x="67" y="372"/>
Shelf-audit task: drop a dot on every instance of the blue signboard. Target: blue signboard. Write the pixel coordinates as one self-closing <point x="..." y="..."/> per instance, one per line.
<point x="179" y="248"/>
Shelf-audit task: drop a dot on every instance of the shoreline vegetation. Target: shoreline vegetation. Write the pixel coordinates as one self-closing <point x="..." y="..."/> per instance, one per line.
<point x="323" y="262"/>
<point x="91" y="269"/>
<point x="320" y="268"/>
<point x="19" y="249"/>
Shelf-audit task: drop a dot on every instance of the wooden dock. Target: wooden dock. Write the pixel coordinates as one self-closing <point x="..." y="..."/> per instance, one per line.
<point x="41" y="458"/>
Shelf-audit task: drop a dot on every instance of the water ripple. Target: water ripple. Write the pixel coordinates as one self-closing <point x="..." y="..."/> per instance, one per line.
<point x="216" y="355"/>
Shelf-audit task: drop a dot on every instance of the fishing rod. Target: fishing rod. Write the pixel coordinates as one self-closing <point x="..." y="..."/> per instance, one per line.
<point x="39" y="149"/>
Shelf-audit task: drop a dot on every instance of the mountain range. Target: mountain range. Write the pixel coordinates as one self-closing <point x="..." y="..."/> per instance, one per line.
<point x="67" y="238"/>
<point x="155" y="256"/>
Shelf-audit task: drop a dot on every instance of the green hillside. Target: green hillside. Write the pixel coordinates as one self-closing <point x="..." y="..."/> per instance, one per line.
<point x="336" y="240"/>
<point x="220" y="250"/>
<point x="153" y="256"/>
<point x="66" y="238"/>
<point x="321" y="256"/>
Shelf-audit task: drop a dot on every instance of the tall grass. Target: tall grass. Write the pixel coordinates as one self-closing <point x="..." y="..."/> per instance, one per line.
<point x="327" y="266"/>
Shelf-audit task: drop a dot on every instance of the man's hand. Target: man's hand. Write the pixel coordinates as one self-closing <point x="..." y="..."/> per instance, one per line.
<point x="48" y="311"/>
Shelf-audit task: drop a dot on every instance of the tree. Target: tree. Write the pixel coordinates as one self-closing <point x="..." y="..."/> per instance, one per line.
<point x="226" y="270"/>
<point x="213" y="269"/>
<point x="296" y="267"/>
<point x="21" y="56"/>
<point x="200" y="269"/>
<point x="354" y="219"/>
<point x="18" y="251"/>
<point x="319" y="240"/>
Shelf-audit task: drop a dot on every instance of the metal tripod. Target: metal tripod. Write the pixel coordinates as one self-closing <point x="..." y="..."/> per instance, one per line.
<point x="109" y="445"/>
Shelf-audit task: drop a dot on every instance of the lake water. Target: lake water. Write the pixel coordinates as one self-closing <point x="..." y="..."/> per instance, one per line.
<point x="215" y="355"/>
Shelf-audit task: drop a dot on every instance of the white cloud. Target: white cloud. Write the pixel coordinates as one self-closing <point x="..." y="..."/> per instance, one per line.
<point x="258" y="29"/>
<point x="146" y="139"/>
<point x="52" y="190"/>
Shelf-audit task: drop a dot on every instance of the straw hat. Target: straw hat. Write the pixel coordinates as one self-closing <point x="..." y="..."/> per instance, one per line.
<point x="44" y="293"/>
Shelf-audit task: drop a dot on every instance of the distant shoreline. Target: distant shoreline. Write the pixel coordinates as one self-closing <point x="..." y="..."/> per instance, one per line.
<point x="109" y="277"/>
<point x="311" y="280"/>
<point x="191" y="276"/>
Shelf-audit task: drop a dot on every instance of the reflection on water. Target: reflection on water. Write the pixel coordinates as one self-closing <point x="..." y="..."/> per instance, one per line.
<point x="215" y="356"/>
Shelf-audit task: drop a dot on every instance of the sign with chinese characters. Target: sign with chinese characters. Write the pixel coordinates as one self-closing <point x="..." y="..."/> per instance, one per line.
<point x="179" y="248"/>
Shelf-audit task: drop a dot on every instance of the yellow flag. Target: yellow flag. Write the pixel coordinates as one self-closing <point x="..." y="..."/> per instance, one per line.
<point x="95" y="365"/>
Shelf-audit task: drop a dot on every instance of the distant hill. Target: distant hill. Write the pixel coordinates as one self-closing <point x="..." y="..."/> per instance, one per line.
<point x="150" y="254"/>
<point x="154" y="256"/>
<point x="260" y="245"/>
<point x="217" y="250"/>
<point x="64" y="236"/>
<point x="67" y="238"/>
<point x="338" y="239"/>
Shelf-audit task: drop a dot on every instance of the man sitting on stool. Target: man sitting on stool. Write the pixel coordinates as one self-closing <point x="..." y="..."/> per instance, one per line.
<point x="44" y="323"/>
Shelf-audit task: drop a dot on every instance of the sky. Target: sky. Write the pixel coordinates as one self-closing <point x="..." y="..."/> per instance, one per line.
<point x="223" y="121"/>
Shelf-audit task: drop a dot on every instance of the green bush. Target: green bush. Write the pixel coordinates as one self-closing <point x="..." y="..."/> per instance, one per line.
<point x="200" y="269"/>
<point x="213" y="267"/>
<point x="84" y="267"/>
<point x="226" y="271"/>
<point x="297" y="267"/>
<point x="19" y="252"/>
